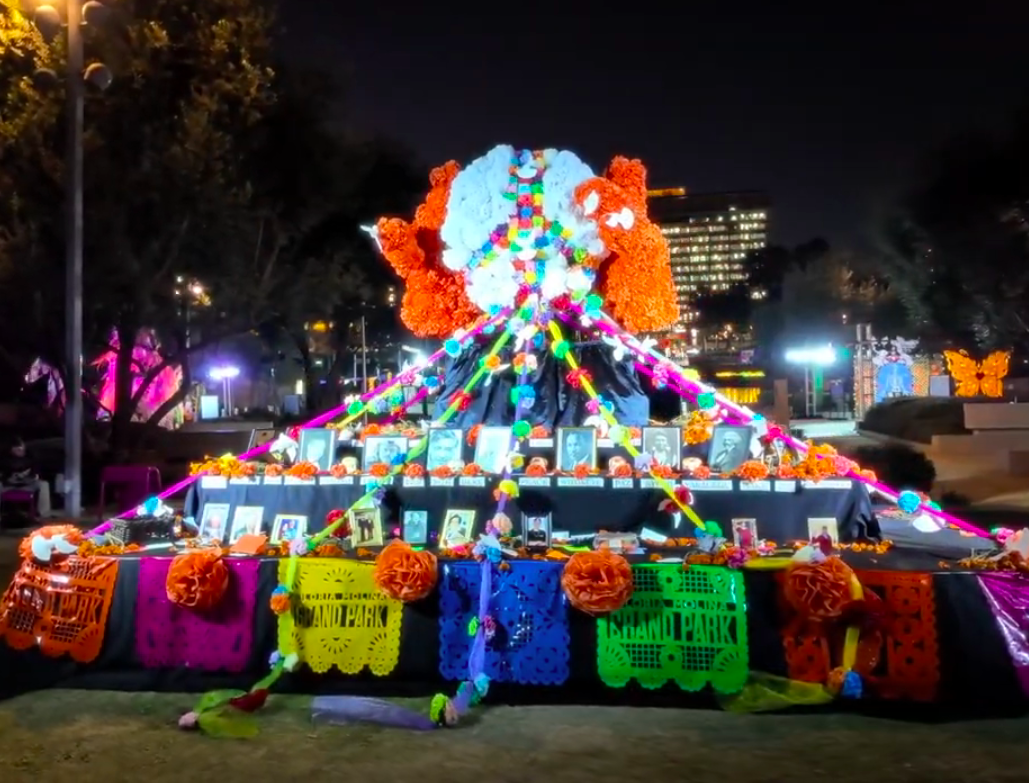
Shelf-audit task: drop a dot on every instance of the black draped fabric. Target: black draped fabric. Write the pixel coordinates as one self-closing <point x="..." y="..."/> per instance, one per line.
<point x="557" y="403"/>
<point x="976" y="672"/>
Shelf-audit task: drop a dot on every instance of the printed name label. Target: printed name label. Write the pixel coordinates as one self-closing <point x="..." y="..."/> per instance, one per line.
<point x="541" y="443"/>
<point x="472" y="481"/>
<point x="594" y="481"/>
<point x="332" y="481"/>
<point x="414" y="482"/>
<point x="293" y="481"/>
<point x="714" y="485"/>
<point x="435" y="481"/>
<point x="534" y="481"/>
<point x="828" y="484"/>
<point x="273" y="481"/>
<point x="786" y="486"/>
<point x="384" y="481"/>
<point x="213" y="482"/>
<point x="243" y="480"/>
<point x="756" y="486"/>
<point x="622" y="483"/>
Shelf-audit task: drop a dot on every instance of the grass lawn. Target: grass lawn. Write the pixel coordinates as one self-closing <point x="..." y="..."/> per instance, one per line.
<point x="80" y="737"/>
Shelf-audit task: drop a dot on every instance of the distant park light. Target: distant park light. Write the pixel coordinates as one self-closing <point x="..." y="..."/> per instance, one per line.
<point x="821" y="356"/>
<point x="223" y="373"/>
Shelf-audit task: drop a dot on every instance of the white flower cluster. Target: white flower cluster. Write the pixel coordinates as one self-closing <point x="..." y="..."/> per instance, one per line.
<point x="481" y="210"/>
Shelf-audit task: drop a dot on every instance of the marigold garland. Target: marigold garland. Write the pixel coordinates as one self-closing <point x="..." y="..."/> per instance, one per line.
<point x="698" y="429"/>
<point x="404" y="574"/>
<point x="230" y="467"/>
<point x="752" y="470"/>
<point x="304" y="470"/>
<point x="597" y="582"/>
<point x="197" y="580"/>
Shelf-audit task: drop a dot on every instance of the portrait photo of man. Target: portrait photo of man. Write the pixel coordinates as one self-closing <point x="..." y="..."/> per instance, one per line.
<point x="318" y="446"/>
<point x="576" y="446"/>
<point x="492" y="447"/>
<point x="444" y="448"/>
<point x="664" y="445"/>
<point x="537" y="531"/>
<point x="730" y="448"/>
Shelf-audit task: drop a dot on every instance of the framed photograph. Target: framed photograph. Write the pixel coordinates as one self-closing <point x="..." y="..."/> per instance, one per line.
<point x="383" y="448"/>
<point x="366" y="524"/>
<point x="415" y="529"/>
<point x="576" y="446"/>
<point x="492" y="448"/>
<point x="260" y="438"/>
<point x="729" y="447"/>
<point x="444" y="447"/>
<point x="288" y="527"/>
<point x="318" y="446"/>
<point x="458" y="527"/>
<point x="536" y="530"/>
<point x="214" y="521"/>
<point x="744" y="533"/>
<point x="247" y="520"/>
<point x="819" y="527"/>
<point x="664" y="444"/>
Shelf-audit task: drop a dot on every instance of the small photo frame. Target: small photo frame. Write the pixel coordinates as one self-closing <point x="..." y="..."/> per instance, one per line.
<point x="664" y="445"/>
<point x="260" y="438"/>
<point x="744" y="533"/>
<point x="214" y="521"/>
<point x="818" y="527"/>
<point x="492" y="446"/>
<point x="247" y="520"/>
<point x="729" y="447"/>
<point x="288" y="527"/>
<point x="576" y="446"/>
<point x="415" y="527"/>
<point x="458" y="528"/>
<point x="318" y="446"/>
<point x="536" y="530"/>
<point x="383" y="448"/>
<point x="366" y="527"/>
<point x="444" y="447"/>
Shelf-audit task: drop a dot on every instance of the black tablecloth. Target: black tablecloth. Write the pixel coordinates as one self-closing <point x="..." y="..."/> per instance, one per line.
<point x="781" y="508"/>
<point x="976" y="670"/>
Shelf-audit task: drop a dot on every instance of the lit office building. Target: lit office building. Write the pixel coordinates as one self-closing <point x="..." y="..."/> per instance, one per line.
<point x="709" y="236"/>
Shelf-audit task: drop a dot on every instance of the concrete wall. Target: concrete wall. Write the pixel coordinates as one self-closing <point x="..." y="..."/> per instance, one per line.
<point x="996" y="416"/>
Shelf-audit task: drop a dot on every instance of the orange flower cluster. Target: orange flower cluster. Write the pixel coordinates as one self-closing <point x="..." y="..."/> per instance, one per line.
<point x="230" y="467"/>
<point x="875" y="548"/>
<point x="280" y="603"/>
<point x="89" y="549"/>
<point x="721" y="557"/>
<point x="473" y="434"/>
<point x="378" y="469"/>
<point x="819" y="591"/>
<point x="752" y="470"/>
<point x="582" y="471"/>
<point x="1011" y="561"/>
<point x="304" y="470"/>
<point x="539" y="432"/>
<point x="328" y="549"/>
<point x="369" y="430"/>
<point x="274" y="470"/>
<point x="535" y="470"/>
<point x="636" y="279"/>
<point x="663" y="472"/>
<point x="622" y="470"/>
<point x="819" y="462"/>
<point x="702" y="473"/>
<point x="339" y="470"/>
<point x="471" y="469"/>
<point x="404" y="574"/>
<point x="698" y="429"/>
<point x="443" y="471"/>
<point x="71" y="534"/>
<point x="198" y="580"/>
<point x="414" y="470"/>
<point x="597" y="582"/>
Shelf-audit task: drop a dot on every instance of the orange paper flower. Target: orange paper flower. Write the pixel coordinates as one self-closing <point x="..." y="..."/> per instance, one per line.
<point x="378" y="469"/>
<point x="404" y="574"/>
<point x="622" y="470"/>
<point x="414" y="470"/>
<point x="471" y="469"/>
<point x="71" y="534"/>
<point x="539" y="432"/>
<point x="279" y="603"/>
<point x="752" y="470"/>
<point x="597" y="582"/>
<point x="702" y="473"/>
<point x="274" y="470"/>
<point x="198" y="580"/>
<point x="820" y="591"/>
<point x="304" y="470"/>
<point x="473" y="434"/>
<point x="535" y="470"/>
<point x="582" y="471"/>
<point x="368" y="431"/>
<point x="443" y="471"/>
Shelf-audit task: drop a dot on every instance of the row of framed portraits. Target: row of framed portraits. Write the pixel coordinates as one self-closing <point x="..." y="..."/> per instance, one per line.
<point x="729" y="447"/>
<point x="217" y="524"/>
<point x="457" y="527"/>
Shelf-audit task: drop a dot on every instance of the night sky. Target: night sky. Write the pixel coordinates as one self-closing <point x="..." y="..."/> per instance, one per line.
<point x="828" y="112"/>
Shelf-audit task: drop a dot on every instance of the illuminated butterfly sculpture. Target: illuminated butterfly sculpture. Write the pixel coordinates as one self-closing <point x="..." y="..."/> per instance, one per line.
<point x="974" y="379"/>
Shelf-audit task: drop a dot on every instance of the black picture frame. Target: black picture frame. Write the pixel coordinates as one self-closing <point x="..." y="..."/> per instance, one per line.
<point x="444" y="446"/>
<point x="382" y="448"/>
<point x="564" y="459"/>
<point x="671" y="456"/>
<point x="318" y="445"/>
<point x="729" y="447"/>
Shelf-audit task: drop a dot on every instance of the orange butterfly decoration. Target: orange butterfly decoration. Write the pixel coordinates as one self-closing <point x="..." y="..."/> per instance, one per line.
<point x="974" y="379"/>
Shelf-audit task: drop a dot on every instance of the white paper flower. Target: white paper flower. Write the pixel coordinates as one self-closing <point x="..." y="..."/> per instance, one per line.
<point x="564" y="174"/>
<point x="476" y="205"/>
<point x="493" y="285"/>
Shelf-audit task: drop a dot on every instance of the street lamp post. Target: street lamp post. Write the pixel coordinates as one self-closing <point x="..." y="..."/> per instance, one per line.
<point x="48" y="20"/>
<point x="813" y="360"/>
